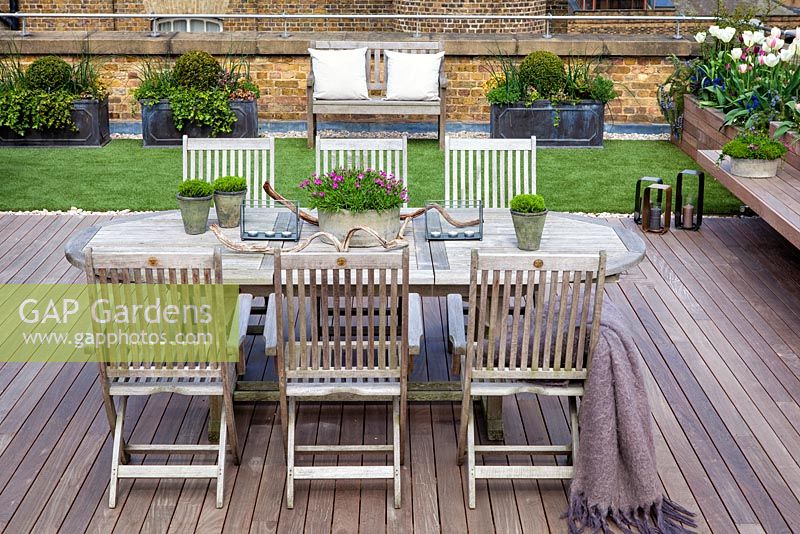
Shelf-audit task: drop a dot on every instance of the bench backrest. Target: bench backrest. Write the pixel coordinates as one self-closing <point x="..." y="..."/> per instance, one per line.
<point x="251" y="158"/>
<point x="390" y="155"/>
<point x="490" y="170"/>
<point x="376" y="58"/>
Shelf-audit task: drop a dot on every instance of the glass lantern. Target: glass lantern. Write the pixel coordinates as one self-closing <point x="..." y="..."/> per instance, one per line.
<point x="438" y="228"/>
<point x="270" y="222"/>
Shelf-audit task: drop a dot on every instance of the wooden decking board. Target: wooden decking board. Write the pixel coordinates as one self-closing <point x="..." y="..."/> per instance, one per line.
<point x="716" y="315"/>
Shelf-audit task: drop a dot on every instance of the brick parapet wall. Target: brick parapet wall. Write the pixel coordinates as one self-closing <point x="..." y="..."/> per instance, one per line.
<point x="280" y="67"/>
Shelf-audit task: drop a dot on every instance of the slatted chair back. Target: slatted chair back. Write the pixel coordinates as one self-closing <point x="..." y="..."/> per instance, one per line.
<point x="251" y="158"/>
<point x="390" y="155"/>
<point x="189" y="273"/>
<point x="490" y="170"/>
<point x="377" y="66"/>
<point x="531" y="316"/>
<point x="346" y="315"/>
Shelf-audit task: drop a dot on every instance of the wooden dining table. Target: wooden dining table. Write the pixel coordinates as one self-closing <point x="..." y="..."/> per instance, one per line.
<point x="437" y="268"/>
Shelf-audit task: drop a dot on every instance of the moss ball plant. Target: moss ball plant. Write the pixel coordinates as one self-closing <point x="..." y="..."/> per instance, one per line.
<point x="49" y="74"/>
<point x="754" y="146"/>
<point x="527" y="203"/>
<point x="544" y="71"/>
<point x="230" y="184"/>
<point x="197" y="70"/>
<point x="195" y="189"/>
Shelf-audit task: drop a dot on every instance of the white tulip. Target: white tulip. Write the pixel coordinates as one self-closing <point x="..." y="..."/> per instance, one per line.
<point x="758" y="37"/>
<point x="714" y="31"/>
<point x="700" y="37"/>
<point x="770" y="60"/>
<point x="736" y="54"/>
<point x="726" y="34"/>
<point x="775" y="32"/>
<point x="747" y="38"/>
<point x="742" y="68"/>
<point x="773" y="43"/>
<point x="787" y="54"/>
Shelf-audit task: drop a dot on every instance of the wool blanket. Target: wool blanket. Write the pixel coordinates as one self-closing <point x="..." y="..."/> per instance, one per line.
<point x="615" y="473"/>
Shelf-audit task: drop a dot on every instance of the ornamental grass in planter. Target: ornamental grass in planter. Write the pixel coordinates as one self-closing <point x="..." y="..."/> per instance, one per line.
<point x="52" y="103"/>
<point x="194" y="200"/>
<point x="347" y="198"/>
<point x="229" y="193"/>
<point x="560" y="104"/>
<point x="528" y="213"/>
<point x="754" y="155"/>
<point x="197" y="96"/>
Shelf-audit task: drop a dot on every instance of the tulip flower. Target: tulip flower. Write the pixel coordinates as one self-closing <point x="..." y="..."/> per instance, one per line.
<point x="742" y="68"/>
<point x="700" y="37"/>
<point x="775" y="32"/>
<point x="726" y="34"/>
<point x="713" y="30"/>
<point x="787" y="54"/>
<point x="736" y="54"/>
<point x="770" y="60"/>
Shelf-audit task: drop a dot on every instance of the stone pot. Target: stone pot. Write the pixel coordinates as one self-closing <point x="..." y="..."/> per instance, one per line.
<point x="194" y="212"/>
<point x="755" y="168"/>
<point x="528" y="227"/>
<point x="229" y="207"/>
<point x="385" y="223"/>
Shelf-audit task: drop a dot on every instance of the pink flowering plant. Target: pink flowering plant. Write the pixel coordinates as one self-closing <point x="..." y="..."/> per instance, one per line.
<point x="355" y="190"/>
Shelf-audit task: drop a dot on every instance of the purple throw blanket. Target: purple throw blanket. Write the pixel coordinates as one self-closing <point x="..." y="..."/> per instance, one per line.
<point x="615" y="476"/>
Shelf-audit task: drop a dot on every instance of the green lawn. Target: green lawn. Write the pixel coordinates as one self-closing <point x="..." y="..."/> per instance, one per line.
<point x="125" y="175"/>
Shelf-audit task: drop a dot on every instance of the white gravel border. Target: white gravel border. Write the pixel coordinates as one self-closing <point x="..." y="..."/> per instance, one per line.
<point x="425" y="135"/>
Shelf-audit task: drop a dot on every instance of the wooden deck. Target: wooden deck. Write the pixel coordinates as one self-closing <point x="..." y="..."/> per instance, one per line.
<point x="716" y="315"/>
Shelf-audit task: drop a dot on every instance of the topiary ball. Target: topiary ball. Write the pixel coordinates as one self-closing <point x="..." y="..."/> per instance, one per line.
<point x="49" y="73"/>
<point x="527" y="203"/>
<point x="197" y="70"/>
<point x="544" y="71"/>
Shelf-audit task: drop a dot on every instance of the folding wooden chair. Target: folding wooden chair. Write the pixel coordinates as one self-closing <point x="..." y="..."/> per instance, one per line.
<point x="528" y="330"/>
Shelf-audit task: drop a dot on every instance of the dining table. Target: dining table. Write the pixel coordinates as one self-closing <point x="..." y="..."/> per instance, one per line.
<point x="436" y="267"/>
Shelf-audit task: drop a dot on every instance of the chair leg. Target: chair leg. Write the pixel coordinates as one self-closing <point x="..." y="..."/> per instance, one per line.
<point x="228" y="423"/>
<point x="396" y="449"/>
<point x="403" y="423"/>
<point x="111" y="415"/>
<point x="117" y="452"/>
<point x="284" y="414"/>
<point x="466" y="407"/>
<point x="311" y="128"/>
<point x="290" y="457"/>
<point x="471" y="455"/>
<point x="573" y="423"/>
<point x="221" y="459"/>
<point x="241" y="364"/>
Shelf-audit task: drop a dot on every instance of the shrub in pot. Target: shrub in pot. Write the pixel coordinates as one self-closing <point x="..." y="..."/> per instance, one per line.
<point x="528" y="212"/>
<point x="346" y="198"/>
<point x="194" y="200"/>
<point x="754" y="155"/>
<point x="229" y="192"/>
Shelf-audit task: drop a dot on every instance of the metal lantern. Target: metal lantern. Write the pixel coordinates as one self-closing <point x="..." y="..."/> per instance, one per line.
<point x="689" y="216"/>
<point x="637" y="201"/>
<point x="270" y="222"/>
<point x="655" y="216"/>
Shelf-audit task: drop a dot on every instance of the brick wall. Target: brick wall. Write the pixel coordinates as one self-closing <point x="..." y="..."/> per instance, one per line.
<point x="481" y="7"/>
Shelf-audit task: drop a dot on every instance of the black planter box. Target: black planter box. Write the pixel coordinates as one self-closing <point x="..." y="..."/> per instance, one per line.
<point x="91" y="120"/>
<point x="580" y="125"/>
<point x="158" y="129"/>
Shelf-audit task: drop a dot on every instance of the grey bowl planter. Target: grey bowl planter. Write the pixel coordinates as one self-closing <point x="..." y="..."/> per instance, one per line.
<point x="229" y="208"/>
<point x="755" y="168"/>
<point x="385" y="223"/>
<point x="194" y="212"/>
<point x="158" y="129"/>
<point x="580" y="125"/>
<point x="529" y="227"/>
<point x="91" y="120"/>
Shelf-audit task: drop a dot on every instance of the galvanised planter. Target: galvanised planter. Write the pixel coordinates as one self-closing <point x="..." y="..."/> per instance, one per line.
<point x="529" y="228"/>
<point x="91" y="120"/>
<point x="755" y="168"/>
<point x="579" y="125"/>
<point x="229" y="208"/>
<point x="385" y="223"/>
<point x="194" y="213"/>
<point x="158" y="128"/>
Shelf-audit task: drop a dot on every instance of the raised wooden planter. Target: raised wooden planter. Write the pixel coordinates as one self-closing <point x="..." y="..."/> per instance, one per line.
<point x="579" y="125"/>
<point x="702" y="129"/>
<point x="158" y="128"/>
<point x="91" y="120"/>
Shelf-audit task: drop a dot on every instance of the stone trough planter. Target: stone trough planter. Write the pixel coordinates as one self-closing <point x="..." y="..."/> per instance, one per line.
<point x="578" y="125"/>
<point x="91" y="120"/>
<point x="158" y="129"/>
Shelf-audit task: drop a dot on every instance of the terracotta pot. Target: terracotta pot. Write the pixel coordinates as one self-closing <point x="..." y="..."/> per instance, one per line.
<point x="385" y="223"/>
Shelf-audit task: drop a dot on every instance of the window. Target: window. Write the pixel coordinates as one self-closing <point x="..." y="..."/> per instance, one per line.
<point x="196" y="25"/>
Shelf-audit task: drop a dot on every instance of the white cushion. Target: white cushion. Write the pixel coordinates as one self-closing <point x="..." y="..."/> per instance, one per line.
<point x="339" y="74"/>
<point x="413" y="76"/>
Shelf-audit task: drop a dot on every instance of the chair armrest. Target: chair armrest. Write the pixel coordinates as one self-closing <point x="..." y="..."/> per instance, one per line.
<point x="239" y="323"/>
<point x="455" y="325"/>
<point x="310" y="79"/>
<point x="442" y="80"/>
<point x="415" y="328"/>
<point x="270" y="334"/>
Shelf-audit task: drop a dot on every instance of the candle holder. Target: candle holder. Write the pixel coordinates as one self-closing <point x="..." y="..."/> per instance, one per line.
<point x="689" y="216"/>
<point x="637" y="201"/>
<point x="656" y="217"/>
<point x="437" y="228"/>
<point x="270" y="221"/>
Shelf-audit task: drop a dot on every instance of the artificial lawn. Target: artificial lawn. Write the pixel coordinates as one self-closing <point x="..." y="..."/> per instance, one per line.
<point x="123" y="175"/>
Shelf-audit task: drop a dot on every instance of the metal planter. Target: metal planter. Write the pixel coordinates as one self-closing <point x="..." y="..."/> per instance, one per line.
<point x="91" y="120"/>
<point x="158" y="129"/>
<point x="578" y="125"/>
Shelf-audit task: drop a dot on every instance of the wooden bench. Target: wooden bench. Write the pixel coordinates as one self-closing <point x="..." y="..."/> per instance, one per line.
<point x="776" y="200"/>
<point x="376" y="82"/>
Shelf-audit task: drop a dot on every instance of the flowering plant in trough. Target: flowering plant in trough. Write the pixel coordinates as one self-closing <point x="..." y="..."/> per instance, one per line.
<point x="355" y="190"/>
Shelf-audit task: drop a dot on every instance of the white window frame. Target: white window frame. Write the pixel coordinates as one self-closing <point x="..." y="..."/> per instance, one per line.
<point x="188" y="20"/>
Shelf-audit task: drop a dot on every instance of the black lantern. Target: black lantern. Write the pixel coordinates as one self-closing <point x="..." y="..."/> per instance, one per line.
<point x="655" y="216"/>
<point x="689" y="214"/>
<point x="637" y="201"/>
